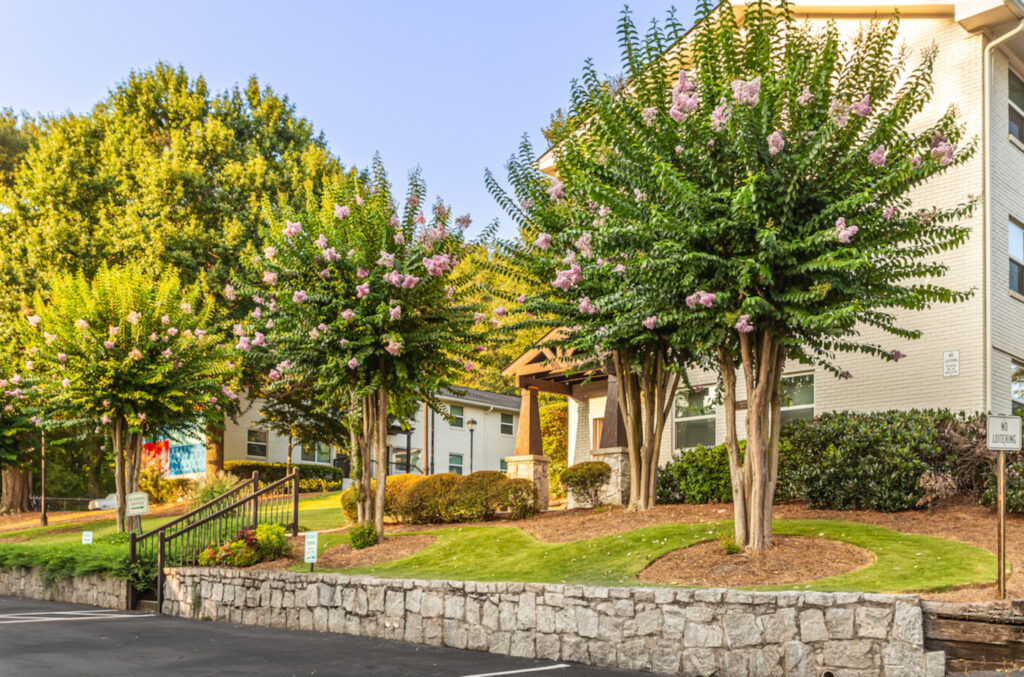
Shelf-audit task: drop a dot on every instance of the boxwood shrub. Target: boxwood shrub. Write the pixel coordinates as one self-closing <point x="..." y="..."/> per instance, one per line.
<point x="584" y="481"/>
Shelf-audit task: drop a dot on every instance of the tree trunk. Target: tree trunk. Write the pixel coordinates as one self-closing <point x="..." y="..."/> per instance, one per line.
<point x="117" y="443"/>
<point x="382" y="458"/>
<point x="214" y="448"/>
<point x="288" y="466"/>
<point x="763" y="359"/>
<point x="362" y="448"/>
<point x="15" y="485"/>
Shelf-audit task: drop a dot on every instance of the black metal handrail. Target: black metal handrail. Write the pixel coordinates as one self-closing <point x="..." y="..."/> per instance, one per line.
<point x="268" y="505"/>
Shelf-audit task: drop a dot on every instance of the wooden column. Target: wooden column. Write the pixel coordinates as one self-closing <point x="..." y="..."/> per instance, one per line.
<point x="613" y="433"/>
<point x="528" y="440"/>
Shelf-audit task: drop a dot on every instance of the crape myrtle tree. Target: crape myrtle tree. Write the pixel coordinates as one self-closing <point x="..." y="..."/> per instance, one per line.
<point x="288" y="409"/>
<point x="360" y="301"/>
<point x="15" y="432"/>
<point x="129" y="354"/>
<point x="789" y="155"/>
<point x="604" y="282"/>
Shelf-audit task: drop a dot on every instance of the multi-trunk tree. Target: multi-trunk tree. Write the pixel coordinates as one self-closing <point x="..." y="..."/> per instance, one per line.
<point x="359" y="302"/>
<point x="776" y="161"/>
<point x="126" y="353"/>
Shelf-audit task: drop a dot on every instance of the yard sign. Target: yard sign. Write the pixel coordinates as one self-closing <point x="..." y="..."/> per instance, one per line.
<point x="1004" y="434"/>
<point x="86" y="538"/>
<point x="311" y="546"/>
<point x="137" y="504"/>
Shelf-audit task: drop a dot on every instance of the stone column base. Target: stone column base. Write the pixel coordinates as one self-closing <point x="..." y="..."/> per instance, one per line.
<point x="616" y="491"/>
<point x="534" y="468"/>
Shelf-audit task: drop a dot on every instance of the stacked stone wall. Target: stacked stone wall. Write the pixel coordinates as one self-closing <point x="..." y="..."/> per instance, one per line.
<point x="111" y="593"/>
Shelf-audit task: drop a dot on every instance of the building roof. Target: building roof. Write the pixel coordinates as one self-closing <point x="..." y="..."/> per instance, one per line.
<point x="482" y="397"/>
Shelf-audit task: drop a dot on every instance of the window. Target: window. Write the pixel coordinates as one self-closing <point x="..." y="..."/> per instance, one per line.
<point x="1016" y="247"/>
<point x="256" y="443"/>
<point x="695" y="418"/>
<point x="1016" y="106"/>
<point x="504" y="465"/>
<point x="455" y="463"/>
<point x="596" y="428"/>
<point x="1017" y="388"/>
<point x="315" y="452"/>
<point x="404" y="460"/>
<point x="797" y="398"/>
<point x="458" y="413"/>
<point x="506" y="424"/>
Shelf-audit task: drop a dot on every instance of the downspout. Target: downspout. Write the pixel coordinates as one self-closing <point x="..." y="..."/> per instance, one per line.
<point x="986" y="185"/>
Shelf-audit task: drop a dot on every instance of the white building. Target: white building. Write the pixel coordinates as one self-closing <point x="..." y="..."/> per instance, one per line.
<point x="481" y="434"/>
<point x="969" y="351"/>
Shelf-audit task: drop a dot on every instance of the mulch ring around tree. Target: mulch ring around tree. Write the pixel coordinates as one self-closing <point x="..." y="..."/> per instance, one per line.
<point x="794" y="559"/>
<point x="391" y="548"/>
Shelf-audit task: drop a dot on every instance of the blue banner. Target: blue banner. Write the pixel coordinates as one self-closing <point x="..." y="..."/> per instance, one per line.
<point x="186" y="459"/>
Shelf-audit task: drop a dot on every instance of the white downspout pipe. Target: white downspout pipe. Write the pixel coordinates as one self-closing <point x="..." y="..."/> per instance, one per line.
<point x="986" y="136"/>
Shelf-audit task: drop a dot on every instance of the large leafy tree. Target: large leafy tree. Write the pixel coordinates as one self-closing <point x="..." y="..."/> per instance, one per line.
<point x="129" y="353"/>
<point x="359" y="300"/>
<point x="777" y="164"/>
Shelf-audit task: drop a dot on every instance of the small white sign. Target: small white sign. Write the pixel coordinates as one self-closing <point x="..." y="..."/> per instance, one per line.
<point x="1004" y="433"/>
<point x="136" y="504"/>
<point x="86" y="538"/>
<point x="950" y="363"/>
<point x="311" y="546"/>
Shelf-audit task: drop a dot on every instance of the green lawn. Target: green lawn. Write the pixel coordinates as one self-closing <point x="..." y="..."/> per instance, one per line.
<point x="905" y="562"/>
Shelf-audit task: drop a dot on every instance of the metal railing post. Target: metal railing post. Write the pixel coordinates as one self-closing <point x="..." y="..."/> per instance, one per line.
<point x="256" y="499"/>
<point x="130" y="602"/>
<point x="295" y="502"/>
<point x="160" y="572"/>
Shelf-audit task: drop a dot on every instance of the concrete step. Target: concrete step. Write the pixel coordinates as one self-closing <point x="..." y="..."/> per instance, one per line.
<point x="146" y="605"/>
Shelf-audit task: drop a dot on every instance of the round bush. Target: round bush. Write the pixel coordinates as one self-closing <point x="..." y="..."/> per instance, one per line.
<point x="394" y="487"/>
<point x="520" y="497"/>
<point x="479" y="495"/>
<point x="585" y="481"/>
<point x="363" y="535"/>
<point x="699" y="475"/>
<point x="430" y="500"/>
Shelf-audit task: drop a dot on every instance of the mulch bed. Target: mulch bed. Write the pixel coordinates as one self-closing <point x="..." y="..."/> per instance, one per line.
<point x="707" y="564"/>
<point x="346" y="557"/>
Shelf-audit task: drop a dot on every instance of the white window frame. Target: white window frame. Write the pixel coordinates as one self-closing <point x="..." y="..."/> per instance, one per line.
<point x="814" y="394"/>
<point x="1016" y="398"/>
<point x="511" y="424"/>
<point x="265" y="443"/>
<point x="302" y="448"/>
<point x="461" y="418"/>
<point x="460" y="465"/>
<point x="710" y="390"/>
<point x="1019" y="260"/>
<point x="1011" y="71"/>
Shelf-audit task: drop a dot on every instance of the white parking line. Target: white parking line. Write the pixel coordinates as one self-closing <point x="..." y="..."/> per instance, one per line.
<point x="560" y="666"/>
<point x="53" y="616"/>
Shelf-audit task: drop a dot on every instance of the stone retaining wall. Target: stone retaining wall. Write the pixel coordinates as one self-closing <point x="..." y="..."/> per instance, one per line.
<point x="111" y="593"/>
<point x="678" y="631"/>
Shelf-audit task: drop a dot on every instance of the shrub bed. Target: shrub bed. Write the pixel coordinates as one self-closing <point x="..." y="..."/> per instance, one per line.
<point x="479" y="495"/>
<point x="271" y="472"/>
<point x="61" y="562"/>
<point x="248" y="547"/>
<point x="585" y="481"/>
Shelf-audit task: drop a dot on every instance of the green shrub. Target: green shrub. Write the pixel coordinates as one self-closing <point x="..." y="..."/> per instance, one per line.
<point x="585" y="481"/>
<point x="394" y="489"/>
<point x="348" y="502"/>
<point x="162" y="489"/>
<point x="271" y="472"/>
<point x="318" y="486"/>
<point x="271" y="541"/>
<point x="519" y="497"/>
<point x="363" y="535"/>
<point x="479" y="495"/>
<point x="61" y="562"/>
<point x="698" y="475"/>
<point x="237" y="553"/>
<point x="208" y="487"/>
<point x="430" y="500"/>
<point x="727" y="538"/>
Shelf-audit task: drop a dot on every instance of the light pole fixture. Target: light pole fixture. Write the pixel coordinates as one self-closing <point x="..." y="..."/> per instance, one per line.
<point x="471" y="424"/>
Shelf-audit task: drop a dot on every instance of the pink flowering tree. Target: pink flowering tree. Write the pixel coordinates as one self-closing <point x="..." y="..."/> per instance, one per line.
<point x="777" y="166"/>
<point x="16" y="447"/>
<point x="126" y="354"/>
<point x="359" y="311"/>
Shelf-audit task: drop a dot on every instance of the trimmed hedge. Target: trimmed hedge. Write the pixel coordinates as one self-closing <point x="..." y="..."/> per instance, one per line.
<point x="429" y="501"/>
<point x="271" y="472"/>
<point x="585" y="480"/>
<point x="479" y="495"/>
<point x="699" y="475"/>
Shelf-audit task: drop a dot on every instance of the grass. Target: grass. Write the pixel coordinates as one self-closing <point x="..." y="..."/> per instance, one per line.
<point x="905" y="562"/>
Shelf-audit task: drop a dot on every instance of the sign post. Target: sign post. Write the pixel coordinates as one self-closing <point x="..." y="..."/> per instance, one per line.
<point x="137" y="505"/>
<point x="311" y="548"/>
<point x="1004" y="434"/>
<point x="86" y="538"/>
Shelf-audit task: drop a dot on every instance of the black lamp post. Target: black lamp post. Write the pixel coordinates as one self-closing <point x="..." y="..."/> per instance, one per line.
<point x="471" y="424"/>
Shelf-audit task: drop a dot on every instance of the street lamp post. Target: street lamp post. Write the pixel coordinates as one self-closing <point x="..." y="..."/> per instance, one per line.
<point x="471" y="424"/>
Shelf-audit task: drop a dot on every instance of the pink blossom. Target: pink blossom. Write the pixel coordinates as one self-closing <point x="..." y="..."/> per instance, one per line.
<point x="274" y="375"/>
<point x="325" y="273"/>
<point x="685" y="84"/>
<point x="270" y="324"/>
<point x="942" y="150"/>
<point x="619" y="269"/>
<point x="66" y="382"/>
<point x="495" y="323"/>
<point x="394" y="223"/>
<point x="410" y="281"/>
<point x="347" y="314"/>
<point x="113" y="331"/>
<point x="259" y="339"/>
<point x="543" y="241"/>
<point x="843" y="232"/>
<point x="236" y="329"/>
<point x="648" y="115"/>
<point x="521" y="298"/>
<point x="50" y="338"/>
<point x="200" y="333"/>
<point x="81" y="324"/>
<point x="719" y="119"/>
<point x="463" y="221"/>
<point x="269" y="277"/>
<point x="105" y="420"/>
<point x="526" y="205"/>
<point x="700" y="297"/>
<point x="34" y="320"/>
<point x="353" y="363"/>
<point x="362" y="290"/>
<point x="839" y="113"/>
<point x="362" y="273"/>
<point x="480" y="349"/>
<point x="331" y="254"/>
<point x="165" y="319"/>
<point x="299" y="297"/>
<point x="341" y="212"/>
<point x="393" y="347"/>
<point x="743" y="325"/>
<point x="775" y="143"/>
<point x="16" y="379"/>
<point x="321" y="241"/>
<point x="916" y="161"/>
<point x="167" y="353"/>
<point x="478" y="318"/>
<point x="897" y="356"/>
<point x="360" y="201"/>
<point x="651" y="321"/>
<point x="639" y="195"/>
<point x="399" y="238"/>
<point x="564" y="279"/>
<point x="437" y="264"/>
<point x="172" y="331"/>
<point x="683" y="106"/>
<point x="419" y="219"/>
<point x="108" y="345"/>
<point x="556" y="191"/>
<point x="291" y="229"/>
<point x="586" y="306"/>
<point x="747" y="93"/>
<point x="134" y="317"/>
<point x="387" y="260"/>
<point x="243" y="344"/>
<point x="229" y="293"/>
<point x="394" y="278"/>
<point x="846" y="376"/>
<point x="862" y="107"/>
<point x="314" y="333"/>
<point x="413" y="200"/>
<point x="135" y="354"/>
<point x="469" y="366"/>
<point x="270" y="252"/>
<point x="500" y="311"/>
<point x="186" y="307"/>
<point x="889" y="212"/>
<point x="395" y="312"/>
<point x="805" y="96"/>
<point x="343" y="342"/>
<point x="583" y="244"/>
<point x="154" y="337"/>
<point x="877" y="158"/>
<point x="679" y="149"/>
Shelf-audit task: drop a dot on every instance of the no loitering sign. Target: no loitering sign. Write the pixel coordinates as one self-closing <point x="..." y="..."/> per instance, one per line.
<point x="1004" y="433"/>
<point x="1003" y="436"/>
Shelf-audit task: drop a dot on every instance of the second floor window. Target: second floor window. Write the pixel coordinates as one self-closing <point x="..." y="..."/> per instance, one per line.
<point x="1016" y="106"/>
<point x="458" y="415"/>
<point x="1016" y="242"/>
<point x="256" y="444"/>
<point x="506" y="424"/>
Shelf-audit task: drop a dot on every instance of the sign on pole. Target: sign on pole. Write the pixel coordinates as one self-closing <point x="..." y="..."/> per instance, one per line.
<point x="1004" y="434"/>
<point x="86" y="538"/>
<point x="311" y="547"/>
<point x="136" y="504"/>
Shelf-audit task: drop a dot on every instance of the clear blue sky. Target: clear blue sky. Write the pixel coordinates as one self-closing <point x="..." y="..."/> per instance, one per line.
<point x="450" y="85"/>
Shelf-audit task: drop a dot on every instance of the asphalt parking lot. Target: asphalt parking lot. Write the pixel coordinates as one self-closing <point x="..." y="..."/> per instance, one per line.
<point x="43" y="639"/>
